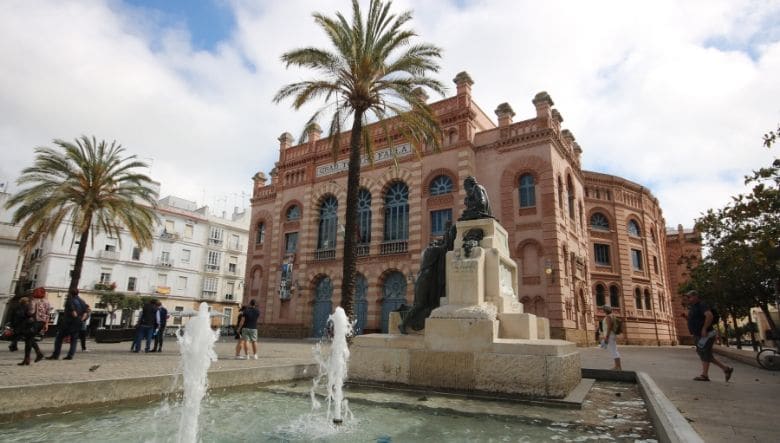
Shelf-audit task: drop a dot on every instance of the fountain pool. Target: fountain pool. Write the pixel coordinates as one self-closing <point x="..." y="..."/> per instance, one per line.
<point x="283" y="413"/>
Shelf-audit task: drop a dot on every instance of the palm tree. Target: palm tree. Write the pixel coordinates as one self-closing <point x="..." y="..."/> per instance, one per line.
<point x="375" y="72"/>
<point x="89" y="185"/>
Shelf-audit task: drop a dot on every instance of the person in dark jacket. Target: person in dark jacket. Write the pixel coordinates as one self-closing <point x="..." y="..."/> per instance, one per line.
<point x="24" y="326"/>
<point x="162" y="321"/>
<point x="147" y="323"/>
<point x="70" y="325"/>
<point x="701" y="326"/>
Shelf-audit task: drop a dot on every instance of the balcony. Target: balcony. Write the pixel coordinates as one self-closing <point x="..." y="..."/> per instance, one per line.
<point x="208" y="295"/>
<point x="362" y="250"/>
<point x="169" y="236"/>
<point x="233" y="246"/>
<point x="211" y="268"/>
<point x="324" y="254"/>
<point x="215" y="241"/>
<point x="394" y="247"/>
<point x="164" y="263"/>
<point x="108" y="255"/>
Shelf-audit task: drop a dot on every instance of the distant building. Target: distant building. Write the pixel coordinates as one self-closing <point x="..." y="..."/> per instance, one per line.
<point x="581" y="239"/>
<point x="684" y="253"/>
<point x="195" y="257"/>
<point x="10" y="259"/>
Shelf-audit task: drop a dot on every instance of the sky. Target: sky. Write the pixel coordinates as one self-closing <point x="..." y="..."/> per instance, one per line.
<point x="673" y="95"/>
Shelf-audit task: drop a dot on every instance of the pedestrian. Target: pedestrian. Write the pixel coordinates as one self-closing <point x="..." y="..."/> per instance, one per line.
<point x="42" y="310"/>
<point x="84" y="329"/>
<point x="248" y="327"/>
<point x="24" y="326"/>
<point x="701" y="318"/>
<point x="238" y="330"/>
<point x="611" y="325"/>
<point x="147" y="323"/>
<point x="162" y="321"/>
<point x="70" y="325"/>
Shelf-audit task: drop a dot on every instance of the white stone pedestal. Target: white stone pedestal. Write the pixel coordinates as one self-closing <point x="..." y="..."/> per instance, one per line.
<point x="479" y="338"/>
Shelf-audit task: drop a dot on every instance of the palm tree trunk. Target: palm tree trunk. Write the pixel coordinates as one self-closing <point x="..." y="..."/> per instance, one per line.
<point x="80" y="252"/>
<point x="351" y="223"/>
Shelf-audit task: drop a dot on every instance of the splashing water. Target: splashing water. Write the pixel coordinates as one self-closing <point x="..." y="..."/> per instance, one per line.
<point x="334" y="369"/>
<point x="197" y="353"/>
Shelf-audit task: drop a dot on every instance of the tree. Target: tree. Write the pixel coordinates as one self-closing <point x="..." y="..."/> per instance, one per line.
<point x="111" y="301"/>
<point x="130" y="304"/>
<point x="742" y="267"/>
<point x="89" y="185"/>
<point x="372" y="71"/>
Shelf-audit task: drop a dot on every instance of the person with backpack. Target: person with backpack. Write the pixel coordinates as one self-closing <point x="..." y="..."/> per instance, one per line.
<point x="701" y="321"/>
<point x="612" y="326"/>
<point x="70" y="325"/>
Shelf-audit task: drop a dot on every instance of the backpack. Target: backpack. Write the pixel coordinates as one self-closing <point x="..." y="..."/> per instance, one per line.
<point x="715" y="316"/>
<point x="617" y="325"/>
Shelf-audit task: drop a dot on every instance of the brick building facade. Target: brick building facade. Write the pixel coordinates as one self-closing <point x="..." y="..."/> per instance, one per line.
<point x="538" y="192"/>
<point x="683" y="249"/>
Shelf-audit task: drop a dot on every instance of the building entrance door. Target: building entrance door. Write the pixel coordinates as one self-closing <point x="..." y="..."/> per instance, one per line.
<point x="361" y="305"/>
<point x="394" y="296"/>
<point x="323" y="303"/>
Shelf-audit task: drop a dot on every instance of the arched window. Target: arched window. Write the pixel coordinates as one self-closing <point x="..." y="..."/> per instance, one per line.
<point x="397" y="213"/>
<point x="260" y="233"/>
<point x="648" y="300"/>
<point x="440" y="185"/>
<point x="527" y="191"/>
<point x="560" y="194"/>
<point x="293" y="213"/>
<point x="599" y="222"/>
<point x="633" y="228"/>
<point x="638" y="298"/>
<point x="614" y="296"/>
<point x="328" y="223"/>
<point x="570" y="195"/>
<point x="364" y="216"/>
<point x="600" y="295"/>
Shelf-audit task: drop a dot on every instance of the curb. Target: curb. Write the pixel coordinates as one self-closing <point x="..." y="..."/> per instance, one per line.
<point x="24" y="401"/>
<point x="670" y="425"/>
<point x="740" y="356"/>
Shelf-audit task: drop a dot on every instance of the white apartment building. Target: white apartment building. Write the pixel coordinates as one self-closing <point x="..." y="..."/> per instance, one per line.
<point x="10" y="258"/>
<point x="195" y="257"/>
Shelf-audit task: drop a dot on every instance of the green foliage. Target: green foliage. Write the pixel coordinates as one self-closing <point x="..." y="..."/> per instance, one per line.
<point x="373" y="71"/>
<point x="742" y="265"/>
<point x="132" y="302"/>
<point x="89" y="185"/>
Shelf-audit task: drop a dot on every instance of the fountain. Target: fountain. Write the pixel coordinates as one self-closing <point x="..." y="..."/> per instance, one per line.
<point x="334" y="368"/>
<point x="197" y="353"/>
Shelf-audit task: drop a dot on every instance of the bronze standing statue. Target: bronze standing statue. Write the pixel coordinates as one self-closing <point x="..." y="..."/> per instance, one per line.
<point x="430" y="284"/>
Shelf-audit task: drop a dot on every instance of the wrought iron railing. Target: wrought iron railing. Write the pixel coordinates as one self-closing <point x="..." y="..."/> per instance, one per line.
<point x="324" y="254"/>
<point x="394" y="247"/>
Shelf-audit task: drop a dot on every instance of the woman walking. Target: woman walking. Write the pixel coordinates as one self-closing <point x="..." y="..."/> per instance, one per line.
<point x="611" y="326"/>
<point x="24" y="325"/>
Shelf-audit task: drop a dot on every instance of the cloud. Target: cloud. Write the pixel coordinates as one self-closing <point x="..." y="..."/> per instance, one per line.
<point x="672" y="95"/>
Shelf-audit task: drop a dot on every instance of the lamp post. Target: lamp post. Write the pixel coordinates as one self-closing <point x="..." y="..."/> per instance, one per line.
<point x="549" y="271"/>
